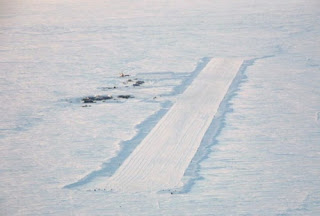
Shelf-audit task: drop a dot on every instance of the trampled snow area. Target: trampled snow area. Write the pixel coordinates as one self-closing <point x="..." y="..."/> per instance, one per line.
<point x="259" y="155"/>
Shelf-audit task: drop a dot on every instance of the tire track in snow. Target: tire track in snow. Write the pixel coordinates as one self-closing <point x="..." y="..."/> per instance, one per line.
<point x="160" y="160"/>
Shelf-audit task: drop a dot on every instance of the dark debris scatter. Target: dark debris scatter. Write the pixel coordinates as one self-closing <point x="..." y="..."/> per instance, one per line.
<point x="100" y="98"/>
<point x="125" y="96"/>
<point x="94" y="99"/>
<point x="138" y="83"/>
<point x="88" y="100"/>
<point x="104" y="98"/>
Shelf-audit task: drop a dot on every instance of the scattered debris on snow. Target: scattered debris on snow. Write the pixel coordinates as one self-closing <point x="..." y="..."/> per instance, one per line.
<point x="125" y="96"/>
<point x="94" y="99"/>
<point x="138" y="83"/>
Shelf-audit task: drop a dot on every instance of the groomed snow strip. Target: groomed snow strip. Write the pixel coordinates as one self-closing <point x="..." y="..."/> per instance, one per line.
<point x="160" y="160"/>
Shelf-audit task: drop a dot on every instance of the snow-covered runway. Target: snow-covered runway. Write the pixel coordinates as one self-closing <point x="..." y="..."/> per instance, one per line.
<point x="161" y="159"/>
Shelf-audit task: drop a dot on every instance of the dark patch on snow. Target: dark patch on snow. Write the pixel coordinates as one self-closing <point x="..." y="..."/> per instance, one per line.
<point x="138" y="83"/>
<point x="94" y="99"/>
<point x="102" y="98"/>
<point x="125" y="96"/>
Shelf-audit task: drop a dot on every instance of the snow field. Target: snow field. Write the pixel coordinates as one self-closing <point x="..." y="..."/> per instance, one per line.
<point x="264" y="159"/>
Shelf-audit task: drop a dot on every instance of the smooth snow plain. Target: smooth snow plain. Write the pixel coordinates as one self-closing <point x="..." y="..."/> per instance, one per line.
<point x="261" y="155"/>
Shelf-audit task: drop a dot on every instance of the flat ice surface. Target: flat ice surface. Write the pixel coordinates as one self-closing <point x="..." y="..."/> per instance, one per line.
<point x="159" y="162"/>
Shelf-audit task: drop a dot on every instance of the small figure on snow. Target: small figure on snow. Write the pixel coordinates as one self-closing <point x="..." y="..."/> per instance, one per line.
<point x="124" y="75"/>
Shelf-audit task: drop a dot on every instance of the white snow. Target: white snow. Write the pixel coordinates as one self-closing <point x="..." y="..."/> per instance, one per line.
<point x="264" y="157"/>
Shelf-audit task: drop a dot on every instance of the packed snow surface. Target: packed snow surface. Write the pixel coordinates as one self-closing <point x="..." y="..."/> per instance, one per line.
<point x="57" y="154"/>
<point x="159" y="162"/>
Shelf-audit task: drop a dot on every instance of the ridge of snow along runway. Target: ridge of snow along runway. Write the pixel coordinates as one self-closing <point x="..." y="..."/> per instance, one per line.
<point x="160" y="160"/>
